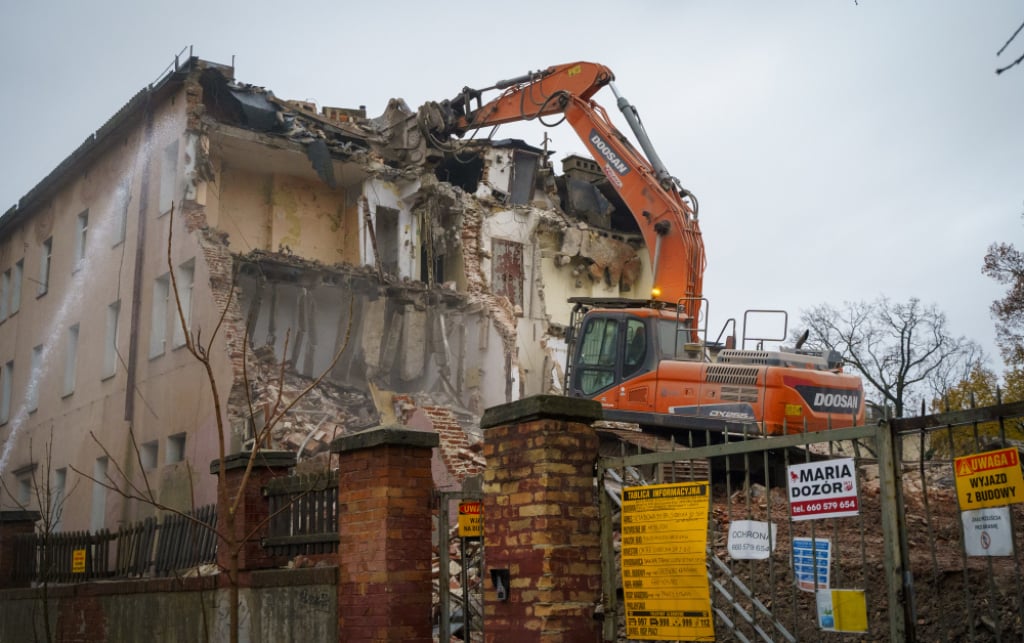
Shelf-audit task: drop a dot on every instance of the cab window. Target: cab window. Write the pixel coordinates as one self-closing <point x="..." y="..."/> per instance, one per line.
<point x="596" y="368"/>
<point x="636" y="347"/>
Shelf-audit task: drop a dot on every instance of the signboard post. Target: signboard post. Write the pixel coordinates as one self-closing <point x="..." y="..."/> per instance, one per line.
<point x="470" y="523"/>
<point x="77" y="561"/>
<point x="664" y="555"/>
<point x="751" y="539"/>
<point x="987" y="532"/>
<point x="842" y="610"/>
<point x="811" y="562"/>
<point x="990" y="479"/>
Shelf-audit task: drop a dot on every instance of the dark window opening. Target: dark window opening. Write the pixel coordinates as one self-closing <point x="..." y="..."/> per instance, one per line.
<point x="438" y="266"/>
<point x="386" y="229"/>
<point x="507" y="270"/>
<point x="462" y="171"/>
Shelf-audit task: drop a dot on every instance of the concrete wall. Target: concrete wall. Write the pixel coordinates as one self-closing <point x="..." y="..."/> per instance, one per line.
<point x="281" y="606"/>
<point x="403" y="346"/>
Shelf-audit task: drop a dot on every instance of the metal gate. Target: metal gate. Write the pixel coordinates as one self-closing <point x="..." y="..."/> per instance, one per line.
<point x="902" y="554"/>
<point x="460" y="612"/>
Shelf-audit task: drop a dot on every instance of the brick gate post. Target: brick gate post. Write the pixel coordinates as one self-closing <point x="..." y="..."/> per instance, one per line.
<point x="253" y="509"/>
<point x="13" y="524"/>
<point x="385" y="491"/>
<point x="541" y="520"/>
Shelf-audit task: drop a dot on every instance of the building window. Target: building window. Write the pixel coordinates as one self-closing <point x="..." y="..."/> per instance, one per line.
<point x="148" y="454"/>
<point x="81" y="232"/>
<point x="71" y="361"/>
<point x="185" y="277"/>
<point x="110" y="342"/>
<point x="158" y="323"/>
<point x="24" y="490"/>
<point x="507" y="270"/>
<point x="98" y="514"/>
<point x="34" y="375"/>
<point x="60" y="483"/>
<point x="44" y="266"/>
<point x="386" y="229"/>
<point x="6" y="375"/>
<point x="19" y="270"/>
<point x="175" y="451"/>
<point x="25" y="477"/>
<point x="168" y="177"/>
<point x="5" y="287"/>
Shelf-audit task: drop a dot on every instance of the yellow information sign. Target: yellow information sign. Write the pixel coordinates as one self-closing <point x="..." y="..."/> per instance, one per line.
<point x="77" y="561"/>
<point x="664" y="555"/>
<point x="990" y="479"/>
<point x="842" y="610"/>
<point x="470" y="522"/>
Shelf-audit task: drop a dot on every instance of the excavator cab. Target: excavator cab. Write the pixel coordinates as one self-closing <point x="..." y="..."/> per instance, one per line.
<point x="612" y="347"/>
<point x="615" y="340"/>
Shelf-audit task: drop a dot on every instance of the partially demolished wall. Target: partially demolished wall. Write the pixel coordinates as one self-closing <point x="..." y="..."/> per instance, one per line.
<point x="438" y="272"/>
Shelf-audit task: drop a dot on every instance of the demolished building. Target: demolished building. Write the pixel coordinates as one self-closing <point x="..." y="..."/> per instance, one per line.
<point x="423" y="280"/>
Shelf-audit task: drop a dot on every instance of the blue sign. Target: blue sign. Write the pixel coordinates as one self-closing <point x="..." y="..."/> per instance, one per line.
<point x="811" y="558"/>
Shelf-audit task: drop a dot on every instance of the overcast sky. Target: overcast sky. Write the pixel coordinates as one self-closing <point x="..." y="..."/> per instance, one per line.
<point x="840" y="150"/>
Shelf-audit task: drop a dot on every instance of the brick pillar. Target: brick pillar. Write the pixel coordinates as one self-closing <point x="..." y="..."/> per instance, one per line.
<point x="253" y="508"/>
<point x="541" y="520"/>
<point x="13" y="524"/>
<point x="385" y="491"/>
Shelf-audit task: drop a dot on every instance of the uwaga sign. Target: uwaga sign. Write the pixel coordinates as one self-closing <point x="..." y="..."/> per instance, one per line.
<point x="991" y="479"/>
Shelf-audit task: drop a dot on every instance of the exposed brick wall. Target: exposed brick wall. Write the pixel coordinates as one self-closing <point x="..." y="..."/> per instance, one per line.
<point x="458" y="454"/>
<point x="541" y="522"/>
<point x="252" y="508"/>
<point x="384" y="574"/>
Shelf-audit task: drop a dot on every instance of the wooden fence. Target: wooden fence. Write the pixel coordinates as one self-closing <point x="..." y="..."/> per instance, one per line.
<point x="303" y="514"/>
<point x="146" y="548"/>
<point x="303" y="521"/>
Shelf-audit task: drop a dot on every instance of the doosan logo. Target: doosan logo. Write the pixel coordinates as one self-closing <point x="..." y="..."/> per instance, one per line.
<point x="608" y="153"/>
<point x="837" y="400"/>
<point x="830" y="400"/>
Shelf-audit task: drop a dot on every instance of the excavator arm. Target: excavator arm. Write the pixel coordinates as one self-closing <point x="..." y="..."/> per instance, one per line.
<point x="661" y="207"/>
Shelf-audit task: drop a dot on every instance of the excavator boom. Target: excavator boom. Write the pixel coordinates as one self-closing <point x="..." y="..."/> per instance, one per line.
<point x="647" y="361"/>
<point x="666" y="219"/>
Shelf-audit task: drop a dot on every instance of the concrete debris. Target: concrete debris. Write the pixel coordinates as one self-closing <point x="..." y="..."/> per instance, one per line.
<point x="439" y="291"/>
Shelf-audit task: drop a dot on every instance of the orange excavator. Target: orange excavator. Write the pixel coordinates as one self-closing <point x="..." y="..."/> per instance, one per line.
<point x="649" y="361"/>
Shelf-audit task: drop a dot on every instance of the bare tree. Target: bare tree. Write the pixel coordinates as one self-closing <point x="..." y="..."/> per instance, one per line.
<point x="1004" y="263"/>
<point x="122" y="483"/>
<point x="1020" y="58"/>
<point x="49" y="499"/>
<point x="904" y="351"/>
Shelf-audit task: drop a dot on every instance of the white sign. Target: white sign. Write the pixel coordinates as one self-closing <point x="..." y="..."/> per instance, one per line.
<point x="826" y="489"/>
<point x="751" y="539"/>
<point x="987" y="532"/>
